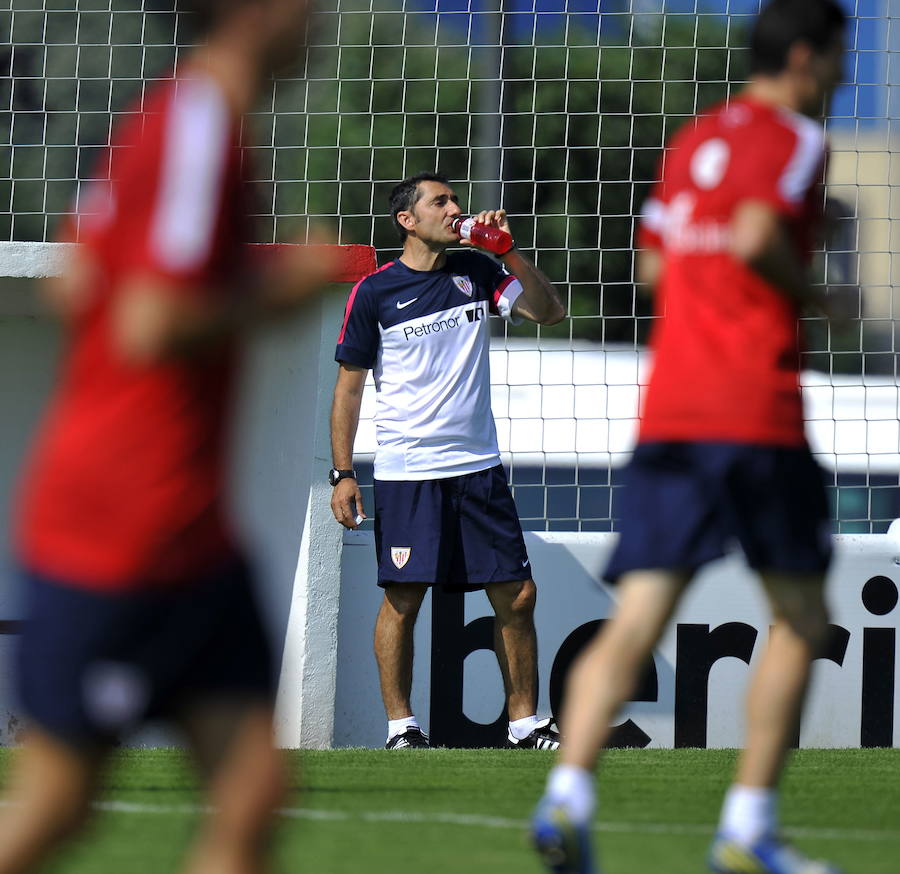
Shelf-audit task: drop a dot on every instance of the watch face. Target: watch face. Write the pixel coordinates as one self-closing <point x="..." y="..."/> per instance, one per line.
<point x="335" y="475"/>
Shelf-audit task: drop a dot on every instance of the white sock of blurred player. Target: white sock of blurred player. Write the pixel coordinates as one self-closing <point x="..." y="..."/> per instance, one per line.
<point x="573" y="788"/>
<point x="749" y="813"/>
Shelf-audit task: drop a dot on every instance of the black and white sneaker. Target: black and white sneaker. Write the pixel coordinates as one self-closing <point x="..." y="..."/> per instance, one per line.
<point x="542" y="738"/>
<point x="413" y="738"/>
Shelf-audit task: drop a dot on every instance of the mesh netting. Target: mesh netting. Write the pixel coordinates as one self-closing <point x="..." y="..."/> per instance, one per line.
<point x="547" y="107"/>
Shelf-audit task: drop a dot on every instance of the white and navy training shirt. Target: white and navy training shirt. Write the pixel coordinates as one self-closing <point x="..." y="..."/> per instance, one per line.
<point x="425" y="336"/>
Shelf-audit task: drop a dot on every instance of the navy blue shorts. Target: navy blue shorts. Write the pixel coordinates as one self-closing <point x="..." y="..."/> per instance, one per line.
<point x="462" y="531"/>
<point x="683" y="504"/>
<point x="93" y="666"/>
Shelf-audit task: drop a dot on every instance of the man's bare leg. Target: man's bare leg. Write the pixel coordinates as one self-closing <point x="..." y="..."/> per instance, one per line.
<point x="515" y="642"/>
<point x="394" y="645"/>
<point x="599" y="682"/>
<point x="607" y="671"/>
<point x="49" y="797"/>
<point x="774" y="703"/>
<point x="233" y="743"/>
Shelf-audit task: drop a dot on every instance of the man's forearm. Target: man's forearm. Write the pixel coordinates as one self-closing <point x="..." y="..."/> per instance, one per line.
<point x="539" y="292"/>
<point x="346" y="498"/>
<point x="344" y="424"/>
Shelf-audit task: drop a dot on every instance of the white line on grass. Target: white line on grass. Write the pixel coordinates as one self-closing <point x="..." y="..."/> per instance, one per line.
<point x="479" y="821"/>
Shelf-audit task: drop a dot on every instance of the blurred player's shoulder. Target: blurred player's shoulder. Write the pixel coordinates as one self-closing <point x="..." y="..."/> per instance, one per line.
<point x="174" y="140"/>
<point x="755" y="124"/>
<point x="736" y="143"/>
<point x="748" y="123"/>
<point x="185" y="118"/>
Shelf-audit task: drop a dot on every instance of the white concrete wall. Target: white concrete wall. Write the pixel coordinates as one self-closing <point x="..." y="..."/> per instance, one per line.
<point x="329" y="685"/>
<point x="281" y="456"/>
<point x="29" y="346"/>
<point x="281" y="494"/>
<point x="566" y="567"/>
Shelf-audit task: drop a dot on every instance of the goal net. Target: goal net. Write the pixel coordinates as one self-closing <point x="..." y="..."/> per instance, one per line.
<point x="555" y="109"/>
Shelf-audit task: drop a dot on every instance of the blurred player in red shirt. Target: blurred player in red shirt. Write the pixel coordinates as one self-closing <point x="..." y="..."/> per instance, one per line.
<point x="725" y="241"/>
<point x="138" y="603"/>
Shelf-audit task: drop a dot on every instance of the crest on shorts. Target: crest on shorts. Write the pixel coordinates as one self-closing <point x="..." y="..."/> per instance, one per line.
<point x="400" y="555"/>
<point x="464" y="284"/>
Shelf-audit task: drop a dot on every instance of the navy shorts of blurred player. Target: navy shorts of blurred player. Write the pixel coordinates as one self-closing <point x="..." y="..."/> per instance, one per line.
<point x="93" y="666"/>
<point x="461" y="532"/>
<point x="684" y="504"/>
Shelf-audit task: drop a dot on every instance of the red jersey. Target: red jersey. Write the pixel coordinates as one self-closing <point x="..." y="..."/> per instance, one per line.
<point x="726" y="354"/>
<point x="125" y="485"/>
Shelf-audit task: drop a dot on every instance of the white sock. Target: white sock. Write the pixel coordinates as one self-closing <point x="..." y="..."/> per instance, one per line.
<point x="521" y="728"/>
<point x="573" y="788"/>
<point x="749" y="813"/>
<point x="398" y="726"/>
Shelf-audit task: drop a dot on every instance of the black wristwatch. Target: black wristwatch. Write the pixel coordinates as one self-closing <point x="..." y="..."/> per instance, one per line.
<point x="335" y="475"/>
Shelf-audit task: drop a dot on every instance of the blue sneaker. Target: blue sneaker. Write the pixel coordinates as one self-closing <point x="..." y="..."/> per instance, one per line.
<point x="767" y="856"/>
<point x="564" y="846"/>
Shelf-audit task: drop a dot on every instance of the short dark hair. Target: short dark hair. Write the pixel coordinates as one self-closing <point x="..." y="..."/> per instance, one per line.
<point x="406" y="193"/>
<point x="785" y="22"/>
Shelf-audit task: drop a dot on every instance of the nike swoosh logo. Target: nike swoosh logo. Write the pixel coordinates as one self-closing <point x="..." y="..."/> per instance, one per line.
<point x="525" y="563"/>
<point x="400" y="306"/>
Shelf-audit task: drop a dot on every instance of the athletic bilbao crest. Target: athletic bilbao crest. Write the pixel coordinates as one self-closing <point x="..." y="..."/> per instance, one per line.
<point x="464" y="284"/>
<point x="400" y="555"/>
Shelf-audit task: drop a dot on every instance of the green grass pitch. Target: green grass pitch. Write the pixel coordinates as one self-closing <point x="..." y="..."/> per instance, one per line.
<point x="452" y="811"/>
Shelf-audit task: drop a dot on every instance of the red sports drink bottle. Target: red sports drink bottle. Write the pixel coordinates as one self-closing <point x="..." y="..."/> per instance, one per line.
<point x="484" y="236"/>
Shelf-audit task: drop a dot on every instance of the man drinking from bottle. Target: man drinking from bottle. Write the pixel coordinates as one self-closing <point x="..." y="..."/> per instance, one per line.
<point x="444" y="515"/>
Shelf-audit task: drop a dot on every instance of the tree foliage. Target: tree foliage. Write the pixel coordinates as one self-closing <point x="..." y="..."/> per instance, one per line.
<point x="388" y="94"/>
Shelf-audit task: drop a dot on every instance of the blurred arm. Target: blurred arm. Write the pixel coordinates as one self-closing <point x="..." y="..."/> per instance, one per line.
<point x="761" y="240"/>
<point x="649" y="270"/>
<point x="154" y="319"/>
<point x="69" y="294"/>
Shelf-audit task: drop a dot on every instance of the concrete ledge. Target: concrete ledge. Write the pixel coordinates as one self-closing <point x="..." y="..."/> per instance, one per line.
<point x="39" y="260"/>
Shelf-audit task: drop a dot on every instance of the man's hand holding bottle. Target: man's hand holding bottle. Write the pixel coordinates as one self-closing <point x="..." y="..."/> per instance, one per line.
<point x="489" y="230"/>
